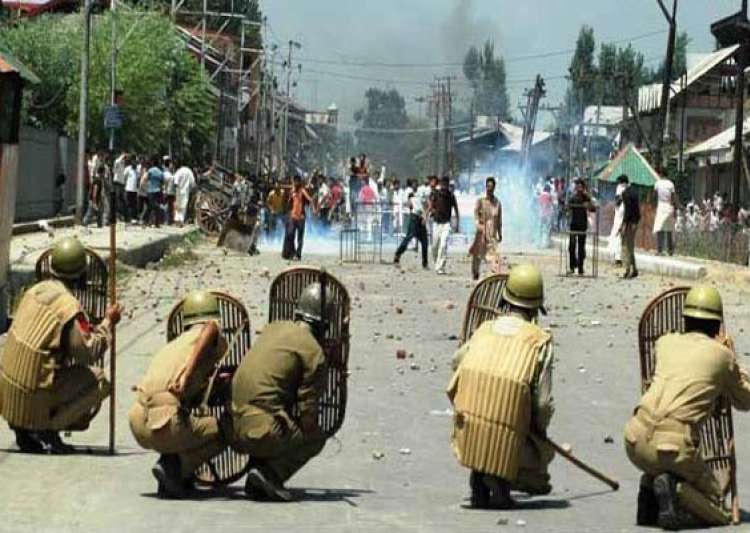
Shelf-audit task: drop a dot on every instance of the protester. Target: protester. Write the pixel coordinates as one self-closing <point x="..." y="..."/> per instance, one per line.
<point x="154" y="178"/>
<point x="442" y="204"/>
<point x="95" y="208"/>
<point x="546" y="212"/>
<point x="295" y="227"/>
<point x="488" y="219"/>
<point x="416" y="204"/>
<point x="118" y="182"/>
<point x="665" y="220"/>
<point x="615" y="239"/>
<point x="170" y="192"/>
<point x="184" y="182"/>
<point x="630" y="220"/>
<point x="579" y="206"/>
<point x="131" y="190"/>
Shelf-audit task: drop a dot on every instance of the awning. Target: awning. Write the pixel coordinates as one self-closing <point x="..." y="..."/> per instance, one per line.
<point x="629" y="161"/>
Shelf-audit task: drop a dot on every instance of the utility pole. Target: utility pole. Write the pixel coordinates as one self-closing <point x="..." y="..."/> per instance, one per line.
<point x="292" y="45"/>
<point x="663" y="127"/>
<point x="436" y="104"/>
<point x="83" y="111"/>
<point x="533" y="96"/>
<point x="240" y="78"/>
<point x="113" y="92"/>
<point x="739" y="125"/>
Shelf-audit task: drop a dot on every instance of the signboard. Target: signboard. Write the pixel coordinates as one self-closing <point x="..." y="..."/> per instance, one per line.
<point x="113" y="117"/>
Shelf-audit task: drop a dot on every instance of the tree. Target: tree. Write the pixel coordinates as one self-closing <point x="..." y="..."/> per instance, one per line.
<point x="380" y="133"/>
<point x="618" y="67"/>
<point x="167" y="99"/>
<point x="486" y="74"/>
<point x="679" y="61"/>
<point x="582" y="72"/>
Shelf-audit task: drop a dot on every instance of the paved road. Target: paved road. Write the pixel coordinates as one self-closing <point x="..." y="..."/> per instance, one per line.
<point x="392" y="408"/>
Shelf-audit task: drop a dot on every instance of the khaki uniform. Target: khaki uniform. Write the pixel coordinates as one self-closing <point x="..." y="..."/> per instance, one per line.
<point x="46" y="381"/>
<point x="692" y="371"/>
<point x="283" y="369"/>
<point x="501" y="392"/>
<point x="161" y="422"/>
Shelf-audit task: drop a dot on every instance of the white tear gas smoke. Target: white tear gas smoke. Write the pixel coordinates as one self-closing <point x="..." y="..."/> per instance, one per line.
<point x="517" y="191"/>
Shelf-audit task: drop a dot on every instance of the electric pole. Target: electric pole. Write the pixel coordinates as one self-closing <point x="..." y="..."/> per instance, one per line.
<point x="83" y="111"/>
<point x="113" y="92"/>
<point x="663" y="128"/>
<point x="285" y="148"/>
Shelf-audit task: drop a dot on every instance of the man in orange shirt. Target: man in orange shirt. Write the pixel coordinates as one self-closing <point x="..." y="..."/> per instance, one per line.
<point x="298" y="200"/>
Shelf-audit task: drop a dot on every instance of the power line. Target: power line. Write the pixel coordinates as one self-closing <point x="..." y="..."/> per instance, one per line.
<point x="512" y="59"/>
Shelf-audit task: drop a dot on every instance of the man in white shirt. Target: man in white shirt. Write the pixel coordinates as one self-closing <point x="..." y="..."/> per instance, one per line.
<point x="118" y="181"/>
<point x="131" y="189"/>
<point x="665" y="216"/>
<point x="184" y="182"/>
<point x="169" y="189"/>
<point x="416" y="204"/>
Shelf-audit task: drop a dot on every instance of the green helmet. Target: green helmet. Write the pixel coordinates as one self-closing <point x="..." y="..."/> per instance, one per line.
<point x="525" y="288"/>
<point x="200" y="306"/>
<point x="309" y="306"/>
<point x="68" y="259"/>
<point x="703" y="303"/>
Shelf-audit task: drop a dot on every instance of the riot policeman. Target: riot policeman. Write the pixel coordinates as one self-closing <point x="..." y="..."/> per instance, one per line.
<point x="175" y="382"/>
<point x="275" y="395"/>
<point x="48" y="381"/>
<point x="501" y="392"/>
<point x="693" y="369"/>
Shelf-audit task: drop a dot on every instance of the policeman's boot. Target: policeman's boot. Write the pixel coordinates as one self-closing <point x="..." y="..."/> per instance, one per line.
<point x="167" y="474"/>
<point x="500" y="497"/>
<point x="28" y="441"/>
<point x="648" y="507"/>
<point x="480" y="493"/>
<point x="263" y="483"/>
<point x="672" y="516"/>
<point x="55" y="444"/>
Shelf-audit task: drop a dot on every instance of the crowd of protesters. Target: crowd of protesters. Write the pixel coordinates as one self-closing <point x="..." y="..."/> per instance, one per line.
<point x="147" y="190"/>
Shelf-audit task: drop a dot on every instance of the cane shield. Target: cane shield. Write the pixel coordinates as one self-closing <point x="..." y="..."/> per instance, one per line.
<point x="284" y="293"/>
<point x="93" y="292"/>
<point x="92" y="289"/>
<point x="485" y="303"/>
<point x="228" y="466"/>
<point x="662" y="316"/>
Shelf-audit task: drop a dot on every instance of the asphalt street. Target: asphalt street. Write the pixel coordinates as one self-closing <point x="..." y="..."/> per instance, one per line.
<point x="390" y="468"/>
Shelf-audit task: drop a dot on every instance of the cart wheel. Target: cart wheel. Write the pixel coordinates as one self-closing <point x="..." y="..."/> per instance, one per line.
<point x="211" y="210"/>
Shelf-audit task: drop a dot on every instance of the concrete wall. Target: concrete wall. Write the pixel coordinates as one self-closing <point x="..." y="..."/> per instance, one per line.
<point x="8" y="165"/>
<point x="42" y="156"/>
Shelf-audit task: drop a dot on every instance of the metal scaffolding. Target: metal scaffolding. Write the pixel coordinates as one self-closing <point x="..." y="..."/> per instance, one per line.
<point x="232" y="67"/>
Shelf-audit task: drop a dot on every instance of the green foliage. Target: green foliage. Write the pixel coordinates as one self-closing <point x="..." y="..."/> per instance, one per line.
<point x="386" y="110"/>
<point x="582" y="73"/>
<point x="486" y="74"/>
<point x="679" y="61"/>
<point x="619" y="68"/>
<point x="166" y="97"/>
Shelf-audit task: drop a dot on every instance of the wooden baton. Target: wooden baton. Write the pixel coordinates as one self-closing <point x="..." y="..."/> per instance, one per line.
<point x="614" y="485"/>
<point x="112" y="301"/>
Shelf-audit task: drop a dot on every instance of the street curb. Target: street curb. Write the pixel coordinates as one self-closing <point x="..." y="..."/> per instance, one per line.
<point x="663" y="266"/>
<point x="137" y="256"/>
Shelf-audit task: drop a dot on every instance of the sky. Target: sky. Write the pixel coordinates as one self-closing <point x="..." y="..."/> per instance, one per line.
<point x="344" y="41"/>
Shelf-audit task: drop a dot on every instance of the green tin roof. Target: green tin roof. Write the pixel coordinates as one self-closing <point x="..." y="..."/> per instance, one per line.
<point x="9" y="63"/>
<point x="629" y="161"/>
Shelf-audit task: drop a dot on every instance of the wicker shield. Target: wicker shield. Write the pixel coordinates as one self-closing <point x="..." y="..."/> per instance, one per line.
<point x="662" y="316"/>
<point x="285" y="291"/>
<point x="228" y="466"/>
<point x="485" y="303"/>
<point x="92" y="294"/>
